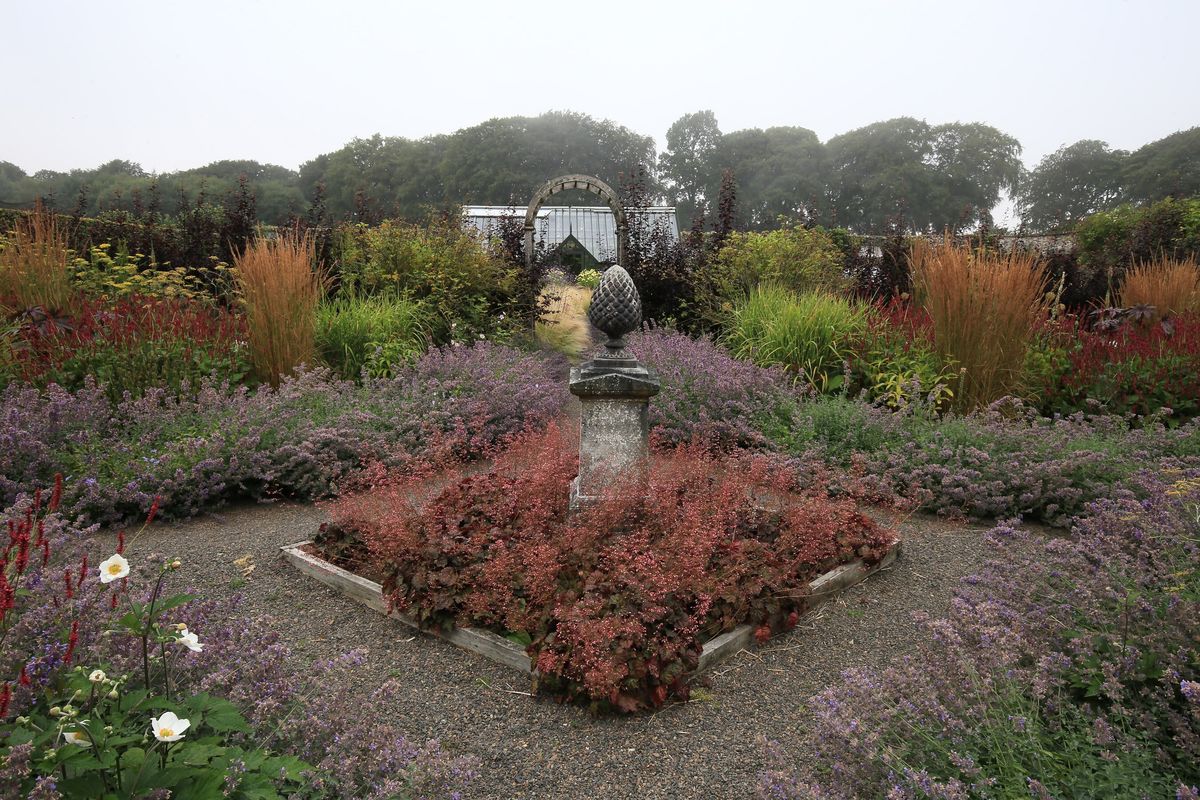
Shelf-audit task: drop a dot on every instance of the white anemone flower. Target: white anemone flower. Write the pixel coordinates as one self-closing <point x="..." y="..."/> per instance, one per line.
<point x="190" y="640"/>
<point x="113" y="567"/>
<point x="97" y="676"/>
<point x="168" y="727"/>
<point x="78" y="738"/>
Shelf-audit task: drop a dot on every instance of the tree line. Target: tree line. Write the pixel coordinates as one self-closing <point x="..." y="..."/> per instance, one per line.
<point x="902" y="174"/>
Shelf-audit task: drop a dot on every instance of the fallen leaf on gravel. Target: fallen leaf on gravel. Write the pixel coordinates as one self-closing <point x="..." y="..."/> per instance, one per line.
<point x="245" y="564"/>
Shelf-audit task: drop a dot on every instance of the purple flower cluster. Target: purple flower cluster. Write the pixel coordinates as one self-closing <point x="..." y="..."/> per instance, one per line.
<point x="1069" y="663"/>
<point x="1003" y="461"/>
<point x="1008" y="461"/>
<point x="321" y="714"/>
<point x="299" y="440"/>
<point x="708" y="394"/>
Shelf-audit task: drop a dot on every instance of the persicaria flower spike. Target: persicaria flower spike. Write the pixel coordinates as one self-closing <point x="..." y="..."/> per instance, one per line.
<point x="168" y="727"/>
<point x="113" y="567"/>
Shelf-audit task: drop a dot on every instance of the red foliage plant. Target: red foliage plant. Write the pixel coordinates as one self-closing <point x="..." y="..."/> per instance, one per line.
<point x="123" y="324"/>
<point x="1136" y="368"/>
<point x="617" y="600"/>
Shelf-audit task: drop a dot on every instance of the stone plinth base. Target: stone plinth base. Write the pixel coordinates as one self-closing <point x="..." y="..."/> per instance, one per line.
<point x="614" y="424"/>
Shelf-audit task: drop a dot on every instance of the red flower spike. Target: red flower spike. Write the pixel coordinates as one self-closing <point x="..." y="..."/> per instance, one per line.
<point x="112" y="600"/>
<point x="37" y="501"/>
<point x="120" y="542"/>
<point x="67" y="581"/>
<point x="5" y="699"/>
<point x="22" y="555"/>
<point x="153" y="510"/>
<point x="72" y="640"/>
<point x="56" y="497"/>
<point x="24" y="678"/>
<point x="83" y="568"/>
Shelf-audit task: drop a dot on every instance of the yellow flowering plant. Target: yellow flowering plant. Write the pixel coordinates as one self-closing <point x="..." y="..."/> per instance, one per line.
<point x="109" y="273"/>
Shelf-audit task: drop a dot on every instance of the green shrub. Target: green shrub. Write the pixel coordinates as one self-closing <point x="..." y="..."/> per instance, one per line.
<point x="588" y="279"/>
<point x="1110" y="241"/>
<point x="897" y="364"/>
<point x="377" y="332"/>
<point x="467" y="290"/>
<point x="795" y="258"/>
<point x="811" y="334"/>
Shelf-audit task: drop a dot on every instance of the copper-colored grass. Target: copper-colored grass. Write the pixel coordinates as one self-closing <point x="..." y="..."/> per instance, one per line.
<point x="985" y="307"/>
<point x="564" y="326"/>
<point x="1172" y="287"/>
<point x="35" y="263"/>
<point x="280" y="284"/>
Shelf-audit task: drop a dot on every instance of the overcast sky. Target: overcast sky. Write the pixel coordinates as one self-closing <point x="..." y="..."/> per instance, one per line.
<point x="173" y="85"/>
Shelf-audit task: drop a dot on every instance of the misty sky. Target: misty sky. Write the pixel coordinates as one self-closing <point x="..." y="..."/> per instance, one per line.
<point x="173" y="85"/>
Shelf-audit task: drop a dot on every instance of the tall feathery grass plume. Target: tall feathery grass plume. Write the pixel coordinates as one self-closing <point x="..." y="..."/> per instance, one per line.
<point x="564" y="324"/>
<point x="986" y="308"/>
<point x="280" y="283"/>
<point x="35" y="263"/>
<point x="1170" y="285"/>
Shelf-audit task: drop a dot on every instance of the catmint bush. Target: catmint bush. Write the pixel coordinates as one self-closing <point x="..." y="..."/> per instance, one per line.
<point x="1004" y="460"/>
<point x="1067" y="667"/>
<point x="299" y="440"/>
<point x="108" y="681"/>
<point x="711" y="396"/>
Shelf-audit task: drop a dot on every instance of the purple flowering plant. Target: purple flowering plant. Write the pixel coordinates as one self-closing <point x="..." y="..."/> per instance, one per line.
<point x="109" y="691"/>
<point x="1067" y="667"/>
<point x="1002" y="461"/>
<point x="299" y="440"/>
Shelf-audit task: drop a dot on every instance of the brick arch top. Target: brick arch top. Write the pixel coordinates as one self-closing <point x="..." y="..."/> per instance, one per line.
<point x="587" y="183"/>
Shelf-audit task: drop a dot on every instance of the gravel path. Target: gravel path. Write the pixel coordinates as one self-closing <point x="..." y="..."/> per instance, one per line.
<point x="530" y="748"/>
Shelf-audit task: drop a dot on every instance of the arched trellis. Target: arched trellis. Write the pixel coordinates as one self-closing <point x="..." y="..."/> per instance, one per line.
<point x="587" y="183"/>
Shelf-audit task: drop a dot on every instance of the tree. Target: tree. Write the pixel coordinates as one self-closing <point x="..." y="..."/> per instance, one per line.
<point x="1169" y="167"/>
<point x="973" y="163"/>
<point x="1070" y="184"/>
<point x="781" y="174"/>
<point x="881" y="173"/>
<point x="688" y="166"/>
<point x="505" y="159"/>
<point x="16" y="188"/>
<point x="927" y="177"/>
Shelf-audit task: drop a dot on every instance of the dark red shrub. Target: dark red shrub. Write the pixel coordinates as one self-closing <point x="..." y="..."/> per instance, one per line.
<point x="617" y="601"/>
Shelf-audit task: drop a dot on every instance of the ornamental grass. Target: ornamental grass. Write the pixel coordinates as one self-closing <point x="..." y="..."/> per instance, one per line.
<point x="986" y="308"/>
<point x="280" y="283"/>
<point x="34" y="264"/>
<point x="811" y="335"/>
<point x="1170" y="286"/>
<point x="564" y="325"/>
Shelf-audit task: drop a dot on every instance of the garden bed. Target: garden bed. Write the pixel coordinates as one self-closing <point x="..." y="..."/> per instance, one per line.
<point x="503" y="651"/>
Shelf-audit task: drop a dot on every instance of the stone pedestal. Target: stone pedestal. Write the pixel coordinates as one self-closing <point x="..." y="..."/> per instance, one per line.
<point x="614" y="426"/>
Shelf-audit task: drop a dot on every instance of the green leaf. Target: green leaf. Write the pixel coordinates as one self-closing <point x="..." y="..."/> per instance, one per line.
<point x="172" y="602"/>
<point x="219" y="714"/>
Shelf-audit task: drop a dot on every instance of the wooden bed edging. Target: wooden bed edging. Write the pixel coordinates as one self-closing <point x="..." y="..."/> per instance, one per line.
<point x="510" y="654"/>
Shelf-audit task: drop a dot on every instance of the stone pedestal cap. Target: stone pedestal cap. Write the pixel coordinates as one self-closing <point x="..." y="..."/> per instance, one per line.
<point x="596" y="379"/>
